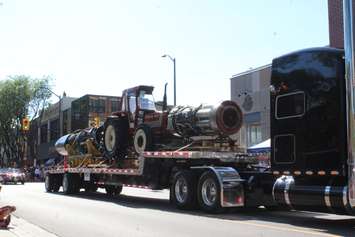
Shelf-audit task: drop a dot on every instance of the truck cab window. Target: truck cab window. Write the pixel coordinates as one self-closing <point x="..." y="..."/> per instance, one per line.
<point x="290" y="105"/>
<point x="146" y="101"/>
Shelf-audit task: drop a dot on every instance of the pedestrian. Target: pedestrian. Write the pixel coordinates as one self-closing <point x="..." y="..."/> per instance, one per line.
<point x="37" y="174"/>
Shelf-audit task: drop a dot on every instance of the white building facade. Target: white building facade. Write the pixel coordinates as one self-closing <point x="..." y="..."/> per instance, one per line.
<point x="250" y="90"/>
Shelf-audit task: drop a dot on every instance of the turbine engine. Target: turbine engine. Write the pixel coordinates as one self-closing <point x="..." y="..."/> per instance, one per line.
<point x="223" y="119"/>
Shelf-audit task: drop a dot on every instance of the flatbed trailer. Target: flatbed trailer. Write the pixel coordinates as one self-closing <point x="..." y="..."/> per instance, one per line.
<point x="212" y="181"/>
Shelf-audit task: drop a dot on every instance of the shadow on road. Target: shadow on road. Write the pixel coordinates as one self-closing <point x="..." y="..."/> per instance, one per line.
<point x="319" y="222"/>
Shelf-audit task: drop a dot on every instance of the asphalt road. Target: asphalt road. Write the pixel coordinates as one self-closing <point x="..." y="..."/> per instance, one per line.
<point x="147" y="213"/>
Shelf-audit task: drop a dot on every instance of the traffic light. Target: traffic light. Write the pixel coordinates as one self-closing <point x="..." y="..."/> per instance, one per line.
<point x="25" y="124"/>
<point x="97" y="121"/>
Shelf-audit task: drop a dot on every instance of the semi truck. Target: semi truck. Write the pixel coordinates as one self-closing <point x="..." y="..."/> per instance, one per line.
<point x="312" y="144"/>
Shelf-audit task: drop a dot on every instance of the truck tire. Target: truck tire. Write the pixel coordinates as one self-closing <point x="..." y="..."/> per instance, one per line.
<point x="56" y="186"/>
<point x="68" y="184"/>
<point x="76" y="183"/>
<point x="142" y="139"/>
<point x="209" y="193"/>
<point x="91" y="188"/>
<point x="113" y="190"/>
<point x="48" y="183"/>
<point x="115" y="137"/>
<point x="183" y="190"/>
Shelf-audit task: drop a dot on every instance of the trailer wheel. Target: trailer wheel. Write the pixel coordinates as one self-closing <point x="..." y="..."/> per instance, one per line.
<point x="209" y="193"/>
<point x="48" y="183"/>
<point x="68" y="184"/>
<point x="76" y="182"/>
<point x="115" y="137"/>
<point x="183" y="190"/>
<point x="91" y="188"/>
<point x="56" y="186"/>
<point x="113" y="190"/>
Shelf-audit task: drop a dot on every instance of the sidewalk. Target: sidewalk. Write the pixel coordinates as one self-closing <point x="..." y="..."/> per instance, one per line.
<point x="21" y="228"/>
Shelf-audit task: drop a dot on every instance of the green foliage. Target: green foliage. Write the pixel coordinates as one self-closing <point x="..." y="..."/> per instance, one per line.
<point x="20" y="96"/>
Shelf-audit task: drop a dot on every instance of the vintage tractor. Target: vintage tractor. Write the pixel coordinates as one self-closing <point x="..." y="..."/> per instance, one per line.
<point x="139" y="126"/>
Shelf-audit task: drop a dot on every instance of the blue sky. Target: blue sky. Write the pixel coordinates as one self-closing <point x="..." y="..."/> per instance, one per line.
<point x="103" y="47"/>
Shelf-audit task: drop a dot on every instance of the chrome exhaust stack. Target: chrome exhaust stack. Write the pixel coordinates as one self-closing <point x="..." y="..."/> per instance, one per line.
<point x="350" y="83"/>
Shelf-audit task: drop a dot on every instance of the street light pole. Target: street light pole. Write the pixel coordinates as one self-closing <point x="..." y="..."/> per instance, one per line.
<point x="174" y="63"/>
<point x="174" y="60"/>
<point x="59" y="110"/>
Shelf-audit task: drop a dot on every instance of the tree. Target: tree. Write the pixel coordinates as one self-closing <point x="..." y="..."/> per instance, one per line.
<point x="20" y="96"/>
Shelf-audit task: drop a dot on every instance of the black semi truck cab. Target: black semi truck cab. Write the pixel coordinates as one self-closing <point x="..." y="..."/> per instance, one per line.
<point x="309" y="130"/>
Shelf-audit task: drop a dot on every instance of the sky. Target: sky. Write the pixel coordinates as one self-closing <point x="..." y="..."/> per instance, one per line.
<point x="103" y="47"/>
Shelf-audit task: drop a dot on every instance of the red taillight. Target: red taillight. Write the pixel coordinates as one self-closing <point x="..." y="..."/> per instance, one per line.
<point x="239" y="200"/>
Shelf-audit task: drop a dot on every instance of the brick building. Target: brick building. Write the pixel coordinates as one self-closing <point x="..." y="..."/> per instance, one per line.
<point x="88" y="107"/>
<point x="75" y="113"/>
<point x="335" y="16"/>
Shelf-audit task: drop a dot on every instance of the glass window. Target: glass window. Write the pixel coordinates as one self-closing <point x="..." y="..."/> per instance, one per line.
<point x="65" y="122"/>
<point x="146" y="101"/>
<point x="114" y="105"/>
<point x="44" y="131"/>
<point x="77" y="116"/>
<point x="97" y="105"/>
<point x="290" y="105"/>
<point x="54" y="130"/>
<point x="254" y="134"/>
<point x="132" y="104"/>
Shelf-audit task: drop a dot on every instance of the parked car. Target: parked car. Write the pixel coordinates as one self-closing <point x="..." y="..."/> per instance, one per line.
<point x="12" y="175"/>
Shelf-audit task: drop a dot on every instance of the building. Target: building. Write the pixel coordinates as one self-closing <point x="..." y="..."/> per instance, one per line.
<point x="335" y="16"/>
<point x="250" y="90"/>
<point x="88" y="107"/>
<point x="49" y="129"/>
<point x="75" y="113"/>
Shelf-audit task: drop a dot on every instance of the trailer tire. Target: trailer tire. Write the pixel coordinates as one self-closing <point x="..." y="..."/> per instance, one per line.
<point x="48" y="183"/>
<point x="68" y="184"/>
<point x="91" y="188"/>
<point x="56" y="187"/>
<point x="115" y="137"/>
<point x="76" y="183"/>
<point x="183" y="190"/>
<point x="113" y="190"/>
<point x="209" y="193"/>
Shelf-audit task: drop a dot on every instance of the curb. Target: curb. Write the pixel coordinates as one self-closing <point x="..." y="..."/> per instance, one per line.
<point x="22" y="228"/>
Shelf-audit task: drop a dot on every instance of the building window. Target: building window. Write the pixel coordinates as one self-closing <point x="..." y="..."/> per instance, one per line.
<point x="65" y="122"/>
<point x="54" y="130"/>
<point x="97" y="105"/>
<point x="44" y="133"/>
<point x="77" y="116"/>
<point x="254" y="134"/>
<point x="114" y="105"/>
<point x="290" y="105"/>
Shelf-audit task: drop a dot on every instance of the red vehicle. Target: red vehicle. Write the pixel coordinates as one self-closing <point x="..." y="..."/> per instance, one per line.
<point x="12" y="175"/>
